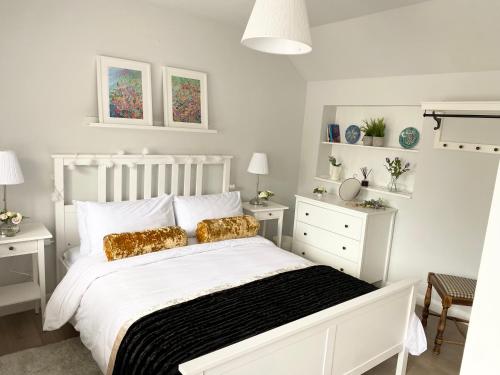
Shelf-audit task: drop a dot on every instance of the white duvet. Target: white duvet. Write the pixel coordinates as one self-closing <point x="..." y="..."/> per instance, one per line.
<point x="102" y="296"/>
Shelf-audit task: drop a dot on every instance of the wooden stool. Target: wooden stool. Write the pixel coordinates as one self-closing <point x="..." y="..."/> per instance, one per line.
<point x="453" y="290"/>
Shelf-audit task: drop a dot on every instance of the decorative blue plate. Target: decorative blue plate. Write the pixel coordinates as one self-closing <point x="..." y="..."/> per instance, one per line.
<point x="352" y="134"/>
<point x="409" y="137"/>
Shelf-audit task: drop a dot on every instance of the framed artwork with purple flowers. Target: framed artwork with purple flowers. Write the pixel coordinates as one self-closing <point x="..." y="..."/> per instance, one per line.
<point x="124" y="91"/>
<point x="185" y="98"/>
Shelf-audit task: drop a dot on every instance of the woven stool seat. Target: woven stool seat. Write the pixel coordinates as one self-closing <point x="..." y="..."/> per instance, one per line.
<point x="456" y="286"/>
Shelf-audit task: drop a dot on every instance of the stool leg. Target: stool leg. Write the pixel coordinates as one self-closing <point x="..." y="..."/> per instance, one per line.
<point x="427" y="303"/>
<point x="440" y="331"/>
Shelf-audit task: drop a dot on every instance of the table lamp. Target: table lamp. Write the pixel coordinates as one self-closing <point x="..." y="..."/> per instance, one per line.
<point x="10" y="173"/>
<point x="258" y="165"/>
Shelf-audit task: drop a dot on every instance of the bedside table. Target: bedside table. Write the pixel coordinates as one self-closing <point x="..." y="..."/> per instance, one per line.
<point x="272" y="211"/>
<point x="29" y="240"/>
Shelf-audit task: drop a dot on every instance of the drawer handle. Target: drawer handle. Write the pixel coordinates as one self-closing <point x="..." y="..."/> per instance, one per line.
<point x="341" y="270"/>
<point x="270" y="214"/>
<point x="344" y="248"/>
<point x="11" y="248"/>
<point x="307" y="213"/>
<point x="305" y="234"/>
<point x="346" y="226"/>
<point x="303" y="253"/>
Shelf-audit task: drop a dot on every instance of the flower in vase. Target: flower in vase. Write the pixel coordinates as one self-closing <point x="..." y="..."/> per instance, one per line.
<point x="17" y="219"/>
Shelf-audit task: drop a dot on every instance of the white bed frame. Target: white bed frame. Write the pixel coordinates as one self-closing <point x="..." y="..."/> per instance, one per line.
<point x="349" y="338"/>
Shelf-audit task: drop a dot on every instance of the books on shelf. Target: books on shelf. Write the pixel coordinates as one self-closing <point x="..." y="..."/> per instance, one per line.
<point x="333" y="133"/>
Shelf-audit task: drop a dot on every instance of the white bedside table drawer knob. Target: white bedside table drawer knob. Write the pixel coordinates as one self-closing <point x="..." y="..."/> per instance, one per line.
<point x="11" y="248"/>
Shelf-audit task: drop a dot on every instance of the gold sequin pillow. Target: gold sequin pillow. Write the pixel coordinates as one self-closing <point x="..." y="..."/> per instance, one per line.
<point x="129" y="244"/>
<point x="227" y="228"/>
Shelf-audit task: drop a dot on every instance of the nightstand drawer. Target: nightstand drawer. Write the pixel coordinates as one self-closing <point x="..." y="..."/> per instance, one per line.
<point x="18" y="248"/>
<point x="328" y="241"/>
<point x="268" y="215"/>
<point x="330" y="220"/>
<point x="322" y="257"/>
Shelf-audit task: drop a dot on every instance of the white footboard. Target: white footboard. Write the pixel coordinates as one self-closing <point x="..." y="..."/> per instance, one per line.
<point x="349" y="338"/>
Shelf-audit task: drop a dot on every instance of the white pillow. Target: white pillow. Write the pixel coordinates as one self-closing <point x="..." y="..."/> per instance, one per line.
<point x="189" y="211"/>
<point x="96" y="219"/>
<point x="81" y="217"/>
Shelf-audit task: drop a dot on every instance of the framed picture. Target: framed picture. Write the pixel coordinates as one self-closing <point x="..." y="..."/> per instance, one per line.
<point x="124" y="91"/>
<point x="185" y="98"/>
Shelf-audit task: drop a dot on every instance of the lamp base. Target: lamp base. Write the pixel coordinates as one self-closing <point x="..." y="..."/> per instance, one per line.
<point x="258" y="202"/>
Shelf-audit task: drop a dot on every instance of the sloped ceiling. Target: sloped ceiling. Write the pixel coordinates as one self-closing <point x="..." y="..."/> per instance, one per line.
<point x="236" y="12"/>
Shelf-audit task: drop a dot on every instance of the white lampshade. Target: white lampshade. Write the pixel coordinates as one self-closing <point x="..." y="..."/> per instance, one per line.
<point x="278" y="26"/>
<point x="10" y="170"/>
<point x="258" y="164"/>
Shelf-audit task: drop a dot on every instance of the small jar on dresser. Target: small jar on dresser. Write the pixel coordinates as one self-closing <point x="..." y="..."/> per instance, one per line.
<point x="352" y="239"/>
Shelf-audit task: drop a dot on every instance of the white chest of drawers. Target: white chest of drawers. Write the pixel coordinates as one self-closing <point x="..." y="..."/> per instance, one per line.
<point x="352" y="239"/>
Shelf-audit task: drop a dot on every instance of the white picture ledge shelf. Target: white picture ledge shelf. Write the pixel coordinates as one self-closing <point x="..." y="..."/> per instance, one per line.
<point x="376" y="189"/>
<point x="370" y="147"/>
<point x="152" y="128"/>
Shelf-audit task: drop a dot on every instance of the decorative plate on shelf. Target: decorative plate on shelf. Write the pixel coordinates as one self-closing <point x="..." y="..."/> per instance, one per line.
<point x="352" y="134"/>
<point x="409" y="137"/>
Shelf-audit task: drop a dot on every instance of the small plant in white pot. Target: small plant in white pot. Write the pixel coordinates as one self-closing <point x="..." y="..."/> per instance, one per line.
<point x="376" y="129"/>
<point x="368" y="134"/>
<point x="335" y="169"/>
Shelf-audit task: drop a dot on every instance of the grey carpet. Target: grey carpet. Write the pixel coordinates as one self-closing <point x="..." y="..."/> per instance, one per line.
<point x="67" y="357"/>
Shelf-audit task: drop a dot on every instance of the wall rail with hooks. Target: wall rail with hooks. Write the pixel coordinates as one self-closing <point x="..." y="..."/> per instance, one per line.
<point x="473" y="110"/>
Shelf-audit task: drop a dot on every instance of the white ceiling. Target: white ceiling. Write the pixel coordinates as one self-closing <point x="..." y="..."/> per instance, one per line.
<point x="236" y="12"/>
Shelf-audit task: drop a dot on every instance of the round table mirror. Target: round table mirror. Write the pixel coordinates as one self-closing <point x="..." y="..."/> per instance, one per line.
<point x="349" y="189"/>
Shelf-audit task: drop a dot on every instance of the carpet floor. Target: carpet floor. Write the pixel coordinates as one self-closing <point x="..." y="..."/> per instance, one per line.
<point x="68" y="357"/>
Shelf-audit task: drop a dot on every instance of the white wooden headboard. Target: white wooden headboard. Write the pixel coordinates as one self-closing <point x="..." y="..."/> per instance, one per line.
<point x="153" y="183"/>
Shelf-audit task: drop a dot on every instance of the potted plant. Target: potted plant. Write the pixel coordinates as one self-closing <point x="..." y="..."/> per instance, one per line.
<point x="266" y="194"/>
<point x="319" y="191"/>
<point x="368" y="134"/>
<point x="376" y="129"/>
<point x="10" y="221"/>
<point x="335" y="169"/>
<point x="396" y="168"/>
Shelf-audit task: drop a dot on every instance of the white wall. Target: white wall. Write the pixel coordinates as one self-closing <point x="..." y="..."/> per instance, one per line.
<point x="47" y="71"/>
<point x="437" y="36"/>
<point x="442" y="228"/>
<point x="419" y="53"/>
<point x="482" y="346"/>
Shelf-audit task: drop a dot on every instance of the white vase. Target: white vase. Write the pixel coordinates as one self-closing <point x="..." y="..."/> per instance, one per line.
<point x="335" y="173"/>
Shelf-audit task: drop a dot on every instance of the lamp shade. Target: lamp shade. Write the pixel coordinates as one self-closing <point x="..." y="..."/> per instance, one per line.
<point x="258" y="164"/>
<point x="279" y="27"/>
<point x="10" y="170"/>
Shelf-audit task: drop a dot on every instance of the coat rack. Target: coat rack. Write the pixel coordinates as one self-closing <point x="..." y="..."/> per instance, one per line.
<point x="439" y="111"/>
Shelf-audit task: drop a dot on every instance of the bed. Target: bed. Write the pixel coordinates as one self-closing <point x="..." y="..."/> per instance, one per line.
<point x="106" y="300"/>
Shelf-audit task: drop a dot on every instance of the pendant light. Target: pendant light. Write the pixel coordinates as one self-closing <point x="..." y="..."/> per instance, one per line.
<point x="279" y="27"/>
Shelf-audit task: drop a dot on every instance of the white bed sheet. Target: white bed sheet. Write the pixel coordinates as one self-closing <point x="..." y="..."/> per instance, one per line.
<point x="100" y="297"/>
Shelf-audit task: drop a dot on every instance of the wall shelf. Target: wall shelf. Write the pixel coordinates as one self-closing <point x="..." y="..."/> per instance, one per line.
<point x="371" y="147"/>
<point x="152" y="128"/>
<point x="376" y="189"/>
